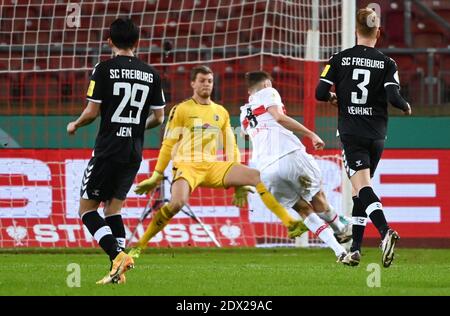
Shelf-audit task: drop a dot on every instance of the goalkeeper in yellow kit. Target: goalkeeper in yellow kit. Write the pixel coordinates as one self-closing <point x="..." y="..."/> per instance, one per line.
<point x="193" y="133"/>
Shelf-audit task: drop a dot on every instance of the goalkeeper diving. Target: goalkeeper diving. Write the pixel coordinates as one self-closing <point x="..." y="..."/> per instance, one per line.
<point x="194" y="132"/>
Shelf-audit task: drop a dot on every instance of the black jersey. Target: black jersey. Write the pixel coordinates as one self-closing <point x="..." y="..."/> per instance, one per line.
<point x="127" y="89"/>
<point x="361" y="74"/>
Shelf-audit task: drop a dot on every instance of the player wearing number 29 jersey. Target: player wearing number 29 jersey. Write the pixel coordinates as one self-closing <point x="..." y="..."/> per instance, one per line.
<point x="123" y="91"/>
<point x="127" y="90"/>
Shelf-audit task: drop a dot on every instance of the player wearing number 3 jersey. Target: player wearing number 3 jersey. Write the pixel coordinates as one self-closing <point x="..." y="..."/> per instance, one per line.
<point x="123" y="91"/>
<point x="365" y="81"/>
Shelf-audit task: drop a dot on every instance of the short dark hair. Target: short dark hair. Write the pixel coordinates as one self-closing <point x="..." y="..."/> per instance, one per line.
<point x="254" y="77"/>
<point x="200" y="70"/>
<point x="124" y="33"/>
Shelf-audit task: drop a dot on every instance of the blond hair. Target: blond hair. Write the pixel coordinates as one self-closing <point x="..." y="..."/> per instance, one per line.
<point x="367" y="22"/>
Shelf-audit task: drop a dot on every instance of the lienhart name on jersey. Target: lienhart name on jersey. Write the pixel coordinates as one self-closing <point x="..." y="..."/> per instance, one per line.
<point x="359" y="110"/>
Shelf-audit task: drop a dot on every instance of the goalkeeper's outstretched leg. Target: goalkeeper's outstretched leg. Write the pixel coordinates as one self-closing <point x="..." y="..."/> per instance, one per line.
<point x="180" y="195"/>
<point x="219" y="175"/>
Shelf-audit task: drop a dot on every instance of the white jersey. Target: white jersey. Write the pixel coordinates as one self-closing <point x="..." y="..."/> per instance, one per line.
<point x="270" y="140"/>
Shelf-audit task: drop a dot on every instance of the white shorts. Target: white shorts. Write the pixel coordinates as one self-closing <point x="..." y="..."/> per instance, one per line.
<point x="294" y="176"/>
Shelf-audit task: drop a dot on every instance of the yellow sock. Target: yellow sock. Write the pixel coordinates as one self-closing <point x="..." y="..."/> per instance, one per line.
<point x="159" y="221"/>
<point x="272" y="204"/>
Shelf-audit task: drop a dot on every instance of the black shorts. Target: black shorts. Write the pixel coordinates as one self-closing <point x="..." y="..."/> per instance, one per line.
<point x="104" y="179"/>
<point x="361" y="153"/>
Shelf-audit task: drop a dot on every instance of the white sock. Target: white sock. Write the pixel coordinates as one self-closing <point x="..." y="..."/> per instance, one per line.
<point x="325" y="233"/>
<point x="332" y="218"/>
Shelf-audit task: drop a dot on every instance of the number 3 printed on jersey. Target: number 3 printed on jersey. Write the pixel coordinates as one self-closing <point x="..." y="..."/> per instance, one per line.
<point x="130" y="93"/>
<point x="251" y="118"/>
<point x="362" y="86"/>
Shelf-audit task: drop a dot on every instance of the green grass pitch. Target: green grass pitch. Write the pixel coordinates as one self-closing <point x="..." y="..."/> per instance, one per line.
<point x="236" y="272"/>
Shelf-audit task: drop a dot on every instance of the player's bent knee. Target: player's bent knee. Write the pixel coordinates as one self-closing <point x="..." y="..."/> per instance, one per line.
<point x="175" y="206"/>
<point x="254" y="177"/>
<point x="82" y="212"/>
<point x="367" y="196"/>
<point x="87" y="206"/>
<point x="319" y="202"/>
<point x="303" y="208"/>
<point x="111" y="212"/>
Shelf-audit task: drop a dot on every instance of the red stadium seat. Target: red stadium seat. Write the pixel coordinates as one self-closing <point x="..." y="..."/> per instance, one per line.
<point x="404" y="62"/>
<point x="394" y="28"/>
<point x="444" y="13"/>
<point x="429" y="38"/>
<point x="445" y="62"/>
<point x="162" y="5"/>
<point x="5" y="38"/>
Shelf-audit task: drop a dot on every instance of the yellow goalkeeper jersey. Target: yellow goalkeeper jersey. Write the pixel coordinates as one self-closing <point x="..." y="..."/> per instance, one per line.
<point x="195" y="133"/>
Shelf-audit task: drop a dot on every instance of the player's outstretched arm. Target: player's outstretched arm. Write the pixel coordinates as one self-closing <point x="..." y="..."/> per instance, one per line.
<point x="164" y="157"/>
<point x="294" y="126"/>
<point x="230" y="146"/>
<point x="323" y="91"/>
<point x="155" y="119"/>
<point x="89" y="114"/>
<point x="172" y="135"/>
<point x="394" y="97"/>
<point x="149" y="184"/>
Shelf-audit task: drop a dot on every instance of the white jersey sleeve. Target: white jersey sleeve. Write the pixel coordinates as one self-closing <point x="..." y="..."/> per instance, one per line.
<point x="270" y="97"/>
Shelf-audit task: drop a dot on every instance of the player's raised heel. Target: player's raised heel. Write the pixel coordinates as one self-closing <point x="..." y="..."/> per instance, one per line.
<point x="121" y="264"/>
<point x="387" y="247"/>
<point x="296" y="229"/>
<point x="346" y="235"/>
<point x="352" y="258"/>
<point x="341" y="257"/>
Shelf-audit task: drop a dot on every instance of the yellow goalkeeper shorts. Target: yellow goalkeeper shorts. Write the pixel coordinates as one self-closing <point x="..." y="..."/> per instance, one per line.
<point x="203" y="174"/>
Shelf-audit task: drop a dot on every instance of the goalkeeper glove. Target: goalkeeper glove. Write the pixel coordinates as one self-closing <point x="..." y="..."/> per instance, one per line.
<point x="240" y="195"/>
<point x="149" y="184"/>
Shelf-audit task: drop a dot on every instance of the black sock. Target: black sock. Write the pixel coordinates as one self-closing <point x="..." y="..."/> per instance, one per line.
<point x="117" y="228"/>
<point x="359" y="218"/>
<point x="102" y="233"/>
<point x="374" y="208"/>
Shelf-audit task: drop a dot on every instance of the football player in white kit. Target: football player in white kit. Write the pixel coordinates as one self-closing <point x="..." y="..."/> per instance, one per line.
<point x="288" y="171"/>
